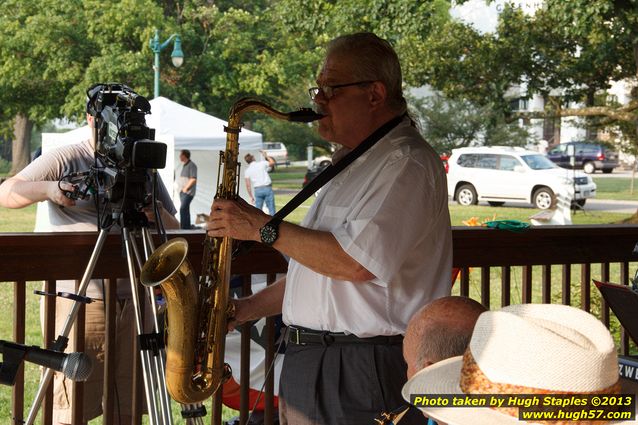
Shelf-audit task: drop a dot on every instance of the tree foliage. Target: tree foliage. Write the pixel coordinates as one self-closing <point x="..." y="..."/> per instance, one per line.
<point x="569" y="50"/>
<point x="52" y="50"/>
<point x="449" y="124"/>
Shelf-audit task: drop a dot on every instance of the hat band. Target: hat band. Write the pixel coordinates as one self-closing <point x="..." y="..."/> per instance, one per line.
<point x="474" y="381"/>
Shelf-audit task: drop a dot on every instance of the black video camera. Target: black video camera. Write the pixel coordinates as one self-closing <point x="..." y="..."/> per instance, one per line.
<point x="123" y="140"/>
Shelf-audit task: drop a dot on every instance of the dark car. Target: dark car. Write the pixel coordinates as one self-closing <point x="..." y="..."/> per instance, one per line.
<point x="311" y="174"/>
<point x="586" y="156"/>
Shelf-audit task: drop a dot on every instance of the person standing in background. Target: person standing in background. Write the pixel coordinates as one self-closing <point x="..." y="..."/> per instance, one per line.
<point x="187" y="184"/>
<point x="258" y="180"/>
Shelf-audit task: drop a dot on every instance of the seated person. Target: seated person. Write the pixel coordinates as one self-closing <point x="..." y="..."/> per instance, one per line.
<point x="439" y="330"/>
<point x="523" y="349"/>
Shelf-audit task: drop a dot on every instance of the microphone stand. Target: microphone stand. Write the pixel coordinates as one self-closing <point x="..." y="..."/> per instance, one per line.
<point x="62" y="340"/>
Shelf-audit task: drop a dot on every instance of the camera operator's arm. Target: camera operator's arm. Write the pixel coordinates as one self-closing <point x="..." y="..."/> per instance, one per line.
<point x="17" y="192"/>
<point x="170" y="221"/>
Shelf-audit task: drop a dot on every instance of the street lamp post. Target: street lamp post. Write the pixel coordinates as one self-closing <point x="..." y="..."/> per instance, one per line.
<point x="177" y="56"/>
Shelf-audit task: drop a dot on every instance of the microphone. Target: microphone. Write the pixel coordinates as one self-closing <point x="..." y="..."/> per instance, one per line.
<point x="75" y="366"/>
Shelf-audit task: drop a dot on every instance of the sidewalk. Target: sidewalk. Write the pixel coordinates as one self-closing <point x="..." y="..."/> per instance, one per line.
<point x="626" y="207"/>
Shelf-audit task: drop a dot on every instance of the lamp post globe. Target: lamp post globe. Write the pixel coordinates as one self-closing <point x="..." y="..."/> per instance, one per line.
<point x="177" y="56"/>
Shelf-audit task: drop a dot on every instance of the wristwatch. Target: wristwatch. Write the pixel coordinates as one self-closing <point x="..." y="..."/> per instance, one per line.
<point x="270" y="232"/>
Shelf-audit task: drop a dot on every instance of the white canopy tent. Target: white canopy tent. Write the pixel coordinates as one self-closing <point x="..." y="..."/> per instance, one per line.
<point x="180" y="128"/>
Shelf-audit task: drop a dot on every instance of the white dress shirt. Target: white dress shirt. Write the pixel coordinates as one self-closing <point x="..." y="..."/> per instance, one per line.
<point x="389" y="211"/>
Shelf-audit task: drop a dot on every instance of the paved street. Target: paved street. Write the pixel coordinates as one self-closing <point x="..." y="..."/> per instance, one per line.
<point x="607" y="205"/>
<point x="625" y="207"/>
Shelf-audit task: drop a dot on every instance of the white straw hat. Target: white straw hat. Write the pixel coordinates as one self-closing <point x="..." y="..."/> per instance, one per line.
<point x="523" y="349"/>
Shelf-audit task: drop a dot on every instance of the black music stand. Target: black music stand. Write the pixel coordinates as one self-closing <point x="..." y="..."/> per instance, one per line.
<point x="623" y="301"/>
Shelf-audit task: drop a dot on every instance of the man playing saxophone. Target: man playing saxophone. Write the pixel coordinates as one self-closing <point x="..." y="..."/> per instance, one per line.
<point x="375" y="247"/>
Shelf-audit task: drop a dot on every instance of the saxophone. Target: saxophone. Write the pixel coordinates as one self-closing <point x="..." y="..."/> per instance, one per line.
<point x="198" y="309"/>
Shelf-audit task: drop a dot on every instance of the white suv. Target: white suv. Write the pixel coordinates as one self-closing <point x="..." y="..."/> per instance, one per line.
<point x="501" y="174"/>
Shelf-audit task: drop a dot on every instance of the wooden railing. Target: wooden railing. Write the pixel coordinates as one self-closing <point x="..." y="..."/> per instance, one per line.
<point x="514" y="267"/>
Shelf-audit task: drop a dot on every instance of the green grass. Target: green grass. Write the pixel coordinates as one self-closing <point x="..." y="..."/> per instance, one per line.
<point x="459" y="213"/>
<point x="616" y="188"/>
<point x="608" y="188"/>
<point x="20" y="220"/>
<point x="288" y="173"/>
<point x="33" y="336"/>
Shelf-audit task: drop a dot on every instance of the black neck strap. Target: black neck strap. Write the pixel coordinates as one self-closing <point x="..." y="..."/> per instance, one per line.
<point x="325" y="176"/>
<point x="332" y="170"/>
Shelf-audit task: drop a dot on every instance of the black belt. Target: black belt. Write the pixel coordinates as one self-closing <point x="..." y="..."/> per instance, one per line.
<point x="303" y="336"/>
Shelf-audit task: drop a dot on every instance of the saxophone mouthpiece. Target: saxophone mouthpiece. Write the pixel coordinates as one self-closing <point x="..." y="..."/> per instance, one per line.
<point x="305" y="115"/>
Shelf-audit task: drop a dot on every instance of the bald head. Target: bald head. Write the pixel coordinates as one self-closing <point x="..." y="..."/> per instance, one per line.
<point x="439" y="330"/>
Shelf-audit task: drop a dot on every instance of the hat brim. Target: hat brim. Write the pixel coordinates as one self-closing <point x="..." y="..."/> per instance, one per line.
<point x="443" y="378"/>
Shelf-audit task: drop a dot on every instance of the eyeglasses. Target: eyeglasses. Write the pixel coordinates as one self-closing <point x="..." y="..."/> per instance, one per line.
<point x="328" y="91"/>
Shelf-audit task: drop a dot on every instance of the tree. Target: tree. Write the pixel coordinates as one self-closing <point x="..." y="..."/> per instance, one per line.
<point x="568" y="51"/>
<point x="38" y="62"/>
<point x="287" y="64"/>
<point x="450" y="124"/>
<point x="52" y="50"/>
<point x="266" y="48"/>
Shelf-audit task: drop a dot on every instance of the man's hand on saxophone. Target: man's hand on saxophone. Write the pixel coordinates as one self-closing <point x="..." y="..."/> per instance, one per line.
<point x="267" y="303"/>
<point x="235" y="219"/>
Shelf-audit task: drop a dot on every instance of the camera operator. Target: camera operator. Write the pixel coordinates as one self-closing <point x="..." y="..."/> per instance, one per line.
<point x="41" y="181"/>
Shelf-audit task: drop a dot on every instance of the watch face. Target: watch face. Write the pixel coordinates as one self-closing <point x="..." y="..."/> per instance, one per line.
<point x="269" y="234"/>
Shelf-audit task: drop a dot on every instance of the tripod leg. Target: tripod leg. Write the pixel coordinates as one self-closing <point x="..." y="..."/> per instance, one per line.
<point x="66" y="329"/>
<point x="144" y="353"/>
<point x="158" y="354"/>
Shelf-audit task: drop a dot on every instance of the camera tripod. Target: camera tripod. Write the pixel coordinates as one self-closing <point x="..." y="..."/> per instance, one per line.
<point x="151" y="348"/>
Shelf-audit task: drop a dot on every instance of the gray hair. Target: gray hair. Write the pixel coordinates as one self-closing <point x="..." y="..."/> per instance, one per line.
<point x="373" y="58"/>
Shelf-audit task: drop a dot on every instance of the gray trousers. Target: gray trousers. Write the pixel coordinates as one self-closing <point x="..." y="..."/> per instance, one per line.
<point x="342" y="384"/>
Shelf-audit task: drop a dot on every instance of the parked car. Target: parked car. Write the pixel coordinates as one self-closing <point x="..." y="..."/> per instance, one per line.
<point x="311" y="174"/>
<point x="501" y="174"/>
<point x="586" y="156"/>
<point x="322" y="161"/>
<point x="277" y="151"/>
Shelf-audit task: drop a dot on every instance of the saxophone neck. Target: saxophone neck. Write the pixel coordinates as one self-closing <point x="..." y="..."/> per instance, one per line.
<point x="248" y="104"/>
